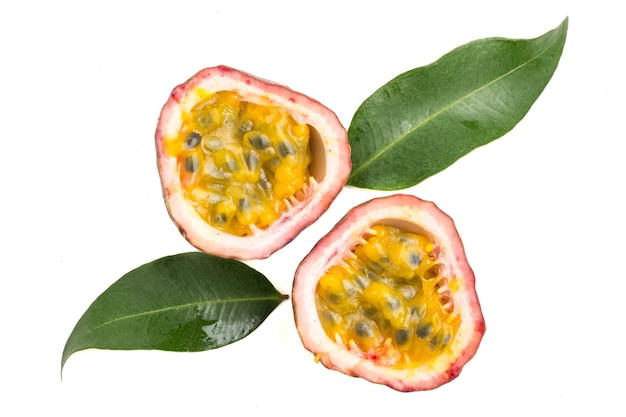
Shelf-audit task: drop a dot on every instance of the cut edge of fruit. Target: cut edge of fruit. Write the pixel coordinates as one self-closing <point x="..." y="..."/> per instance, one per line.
<point x="329" y="174"/>
<point x="338" y="357"/>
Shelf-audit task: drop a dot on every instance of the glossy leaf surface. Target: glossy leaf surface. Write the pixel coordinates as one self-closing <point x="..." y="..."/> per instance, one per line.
<point x="186" y="302"/>
<point x="425" y="119"/>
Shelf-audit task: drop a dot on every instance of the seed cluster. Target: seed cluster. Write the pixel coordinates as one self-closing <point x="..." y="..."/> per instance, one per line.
<point x="389" y="300"/>
<point x="242" y="164"/>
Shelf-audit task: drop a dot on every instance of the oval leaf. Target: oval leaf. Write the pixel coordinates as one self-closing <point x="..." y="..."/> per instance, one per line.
<point x="425" y="119"/>
<point x="186" y="302"/>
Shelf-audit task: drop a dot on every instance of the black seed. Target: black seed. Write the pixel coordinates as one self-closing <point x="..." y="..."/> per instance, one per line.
<point x="246" y="126"/>
<point x="435" y="340"/>
<point x="259" y="141"/>
<point x="415" y="313"/>
<point x="372" y="275"/>
<point x="286" y="148"/>
<point x="244" y="204"/>
<point x="265" y="183"/>
<point x="334" y="298"/>
<point x="329" y="317"/>
<point x="421" y="311"/>
<point x="446" y="340"/>
<point x="423" y="330"/>
<point x="232" y="164"/>
<point x="273" y="164"/>
<point x="407" y="291"/>
<point x="414" y="259"/>
<point x="406" y="240"/>
<point x="375" y="270"/>
<point x="192" y="140"/>
<point x="402" y="336"/>
<point x="252" y="160"/>
<point x="191" y="164"/>
<point x="393" y="303"/>
<point x="363" y="330"/>
<point x="351" y="289"/>
<point x="362" y="281"/>
<point x="220" y="218"/>
<point x="371" y="313"/>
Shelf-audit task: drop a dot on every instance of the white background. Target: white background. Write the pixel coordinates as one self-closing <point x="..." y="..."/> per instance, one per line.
<point x="540" y="210"/>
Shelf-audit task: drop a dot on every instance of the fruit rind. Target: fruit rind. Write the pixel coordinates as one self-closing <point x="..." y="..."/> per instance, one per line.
<point x="407" y="211"/>
<point x="330" y="168"/>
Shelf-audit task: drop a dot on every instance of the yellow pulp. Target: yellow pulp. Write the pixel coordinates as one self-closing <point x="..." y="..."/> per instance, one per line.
<point x="239" y="162"/>
<point x="388" y="300"/>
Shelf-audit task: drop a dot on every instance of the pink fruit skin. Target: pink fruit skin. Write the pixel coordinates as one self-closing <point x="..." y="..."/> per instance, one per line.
<point x="332" y="165"/>
<point x="330" y="250"/>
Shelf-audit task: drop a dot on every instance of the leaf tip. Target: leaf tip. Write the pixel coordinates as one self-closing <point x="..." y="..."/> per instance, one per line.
<point x="62" y="365"/>
<point x="63" y="360"/>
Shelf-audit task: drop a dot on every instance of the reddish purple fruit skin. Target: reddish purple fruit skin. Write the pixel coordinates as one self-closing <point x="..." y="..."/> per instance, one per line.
<point x="332" y="247"/>
<point x="333" y="162"/>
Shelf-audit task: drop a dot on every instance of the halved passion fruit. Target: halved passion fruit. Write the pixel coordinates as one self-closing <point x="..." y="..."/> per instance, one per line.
<point x="388" y="295"/>
<point x="247" y="164"/>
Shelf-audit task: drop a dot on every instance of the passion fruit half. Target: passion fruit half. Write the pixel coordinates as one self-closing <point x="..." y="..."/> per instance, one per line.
<point x="246" y="164"/>
<point x="388" y="295"/>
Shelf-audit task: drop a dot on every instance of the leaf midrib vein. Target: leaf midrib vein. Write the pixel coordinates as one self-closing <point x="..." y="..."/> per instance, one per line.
<point x="182" y="306"/>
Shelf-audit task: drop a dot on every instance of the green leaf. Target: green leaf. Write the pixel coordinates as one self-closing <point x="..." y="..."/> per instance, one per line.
<point x="425" y="119"/>
<point x="186" y="302"/>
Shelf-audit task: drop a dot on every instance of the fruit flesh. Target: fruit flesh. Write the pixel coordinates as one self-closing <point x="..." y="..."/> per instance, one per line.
<point x="420" y="217"/>
<point x="241" y="163"/>
<point x="390" y="299"/>
<point x="329" y="168"/>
